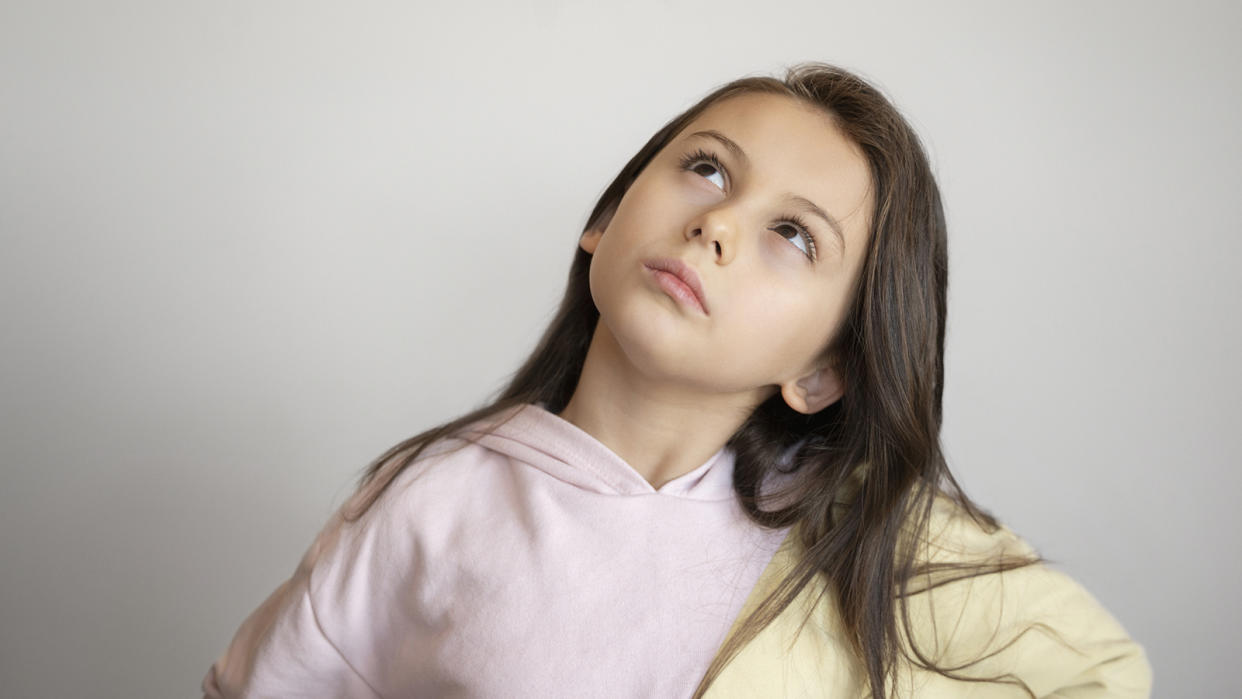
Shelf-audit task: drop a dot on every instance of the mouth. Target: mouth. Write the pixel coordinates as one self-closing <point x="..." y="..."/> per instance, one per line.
<point x="679" y="280"/>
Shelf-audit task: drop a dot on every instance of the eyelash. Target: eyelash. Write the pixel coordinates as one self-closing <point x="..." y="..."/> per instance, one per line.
<point x="804" y="230"/>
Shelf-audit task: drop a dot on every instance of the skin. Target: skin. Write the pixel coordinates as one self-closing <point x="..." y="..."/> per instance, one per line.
<point x="664" y="386"/>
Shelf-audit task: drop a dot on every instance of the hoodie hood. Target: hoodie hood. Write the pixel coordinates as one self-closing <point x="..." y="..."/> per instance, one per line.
<point x="533" y="435"/>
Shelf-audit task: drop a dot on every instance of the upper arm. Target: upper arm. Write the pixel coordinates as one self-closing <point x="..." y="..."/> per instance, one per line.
<point x="331" y="629"/>
<point x="281" y="651"/>
<point x="282" y="648"/>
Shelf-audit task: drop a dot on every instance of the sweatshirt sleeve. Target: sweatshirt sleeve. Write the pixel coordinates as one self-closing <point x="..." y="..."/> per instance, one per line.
<point x="1032" y="624"/>
<point x="281" y="650"/>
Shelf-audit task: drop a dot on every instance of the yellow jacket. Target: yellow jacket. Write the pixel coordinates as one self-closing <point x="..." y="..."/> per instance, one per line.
<point x="958" y="623"/>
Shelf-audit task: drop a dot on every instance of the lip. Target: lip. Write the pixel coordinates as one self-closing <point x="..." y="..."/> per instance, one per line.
<point x="683" y="272"/>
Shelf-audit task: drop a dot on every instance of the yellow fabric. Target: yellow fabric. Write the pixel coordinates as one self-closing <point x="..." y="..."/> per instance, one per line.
<point x="954" y="624"/>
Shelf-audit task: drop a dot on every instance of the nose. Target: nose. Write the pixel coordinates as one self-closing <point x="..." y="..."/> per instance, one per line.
<point x="717" y="228"/>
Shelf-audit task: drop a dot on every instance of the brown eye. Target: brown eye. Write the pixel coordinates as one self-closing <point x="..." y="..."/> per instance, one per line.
<point x="701" y="160"/>
<point x="798" y="233"/>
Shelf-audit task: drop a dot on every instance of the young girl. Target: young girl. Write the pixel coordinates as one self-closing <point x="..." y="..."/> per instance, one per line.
<point x="718" y="475"/>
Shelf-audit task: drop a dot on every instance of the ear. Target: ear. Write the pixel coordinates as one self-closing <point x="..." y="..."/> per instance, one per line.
<point x="590" y="240"/>
<point x="814" y="391"/>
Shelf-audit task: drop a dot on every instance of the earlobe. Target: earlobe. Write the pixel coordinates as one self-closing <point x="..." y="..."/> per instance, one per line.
<point x="815" y="391"/>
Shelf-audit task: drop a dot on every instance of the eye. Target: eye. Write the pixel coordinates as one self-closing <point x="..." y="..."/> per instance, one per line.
<point x="694" y="162"/>
<point x="800" y="231"/>
<point x="701" y="159"/>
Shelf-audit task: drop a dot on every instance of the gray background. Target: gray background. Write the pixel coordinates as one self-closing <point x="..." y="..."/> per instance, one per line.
<point x="249" y="246"/>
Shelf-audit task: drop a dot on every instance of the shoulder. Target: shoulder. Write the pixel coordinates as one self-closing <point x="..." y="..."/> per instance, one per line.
<point x="406" y="492"/>
<point x="380" y="538"/>
<point x="955" y="535"/>
<point x="438" y="469"/>
<point x="982" y="600"/>
<point x="381" y="558"/>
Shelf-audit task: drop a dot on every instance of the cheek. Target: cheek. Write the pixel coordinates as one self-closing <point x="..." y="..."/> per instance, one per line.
<point x="760" y="345"/>
<point x="769" y="317"/>
<point x="664" y="202"/>
<point x="783" y="323"/>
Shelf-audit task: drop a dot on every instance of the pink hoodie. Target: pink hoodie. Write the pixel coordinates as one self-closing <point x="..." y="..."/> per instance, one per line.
<point x="535" y="563"/>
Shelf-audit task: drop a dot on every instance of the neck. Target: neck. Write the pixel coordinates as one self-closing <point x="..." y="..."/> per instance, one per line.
<point x="661" y="428"/>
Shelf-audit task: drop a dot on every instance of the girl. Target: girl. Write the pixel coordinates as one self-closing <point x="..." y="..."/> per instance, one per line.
<point x="719" y="473"/>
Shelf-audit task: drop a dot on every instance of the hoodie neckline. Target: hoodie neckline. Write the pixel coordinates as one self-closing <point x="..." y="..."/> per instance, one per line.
<point x="532" y="433"/>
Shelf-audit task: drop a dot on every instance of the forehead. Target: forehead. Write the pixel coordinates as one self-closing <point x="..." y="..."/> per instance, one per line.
<point x="793" y="148"/>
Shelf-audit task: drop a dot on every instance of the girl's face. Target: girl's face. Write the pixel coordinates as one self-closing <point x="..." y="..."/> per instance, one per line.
<point x="722" y="198"/>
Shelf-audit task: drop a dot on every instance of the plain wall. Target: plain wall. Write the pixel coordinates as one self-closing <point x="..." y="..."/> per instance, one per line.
<point x="249" y="246"/>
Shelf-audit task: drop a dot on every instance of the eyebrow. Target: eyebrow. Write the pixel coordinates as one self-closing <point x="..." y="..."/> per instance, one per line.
<point x="802" y="202"/>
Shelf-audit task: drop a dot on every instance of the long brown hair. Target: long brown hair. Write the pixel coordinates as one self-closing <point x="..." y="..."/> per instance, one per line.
<point x="880" y="442"/>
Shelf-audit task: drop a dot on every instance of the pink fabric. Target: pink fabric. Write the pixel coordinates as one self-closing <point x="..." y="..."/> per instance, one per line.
<point x="536" y="563"/>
